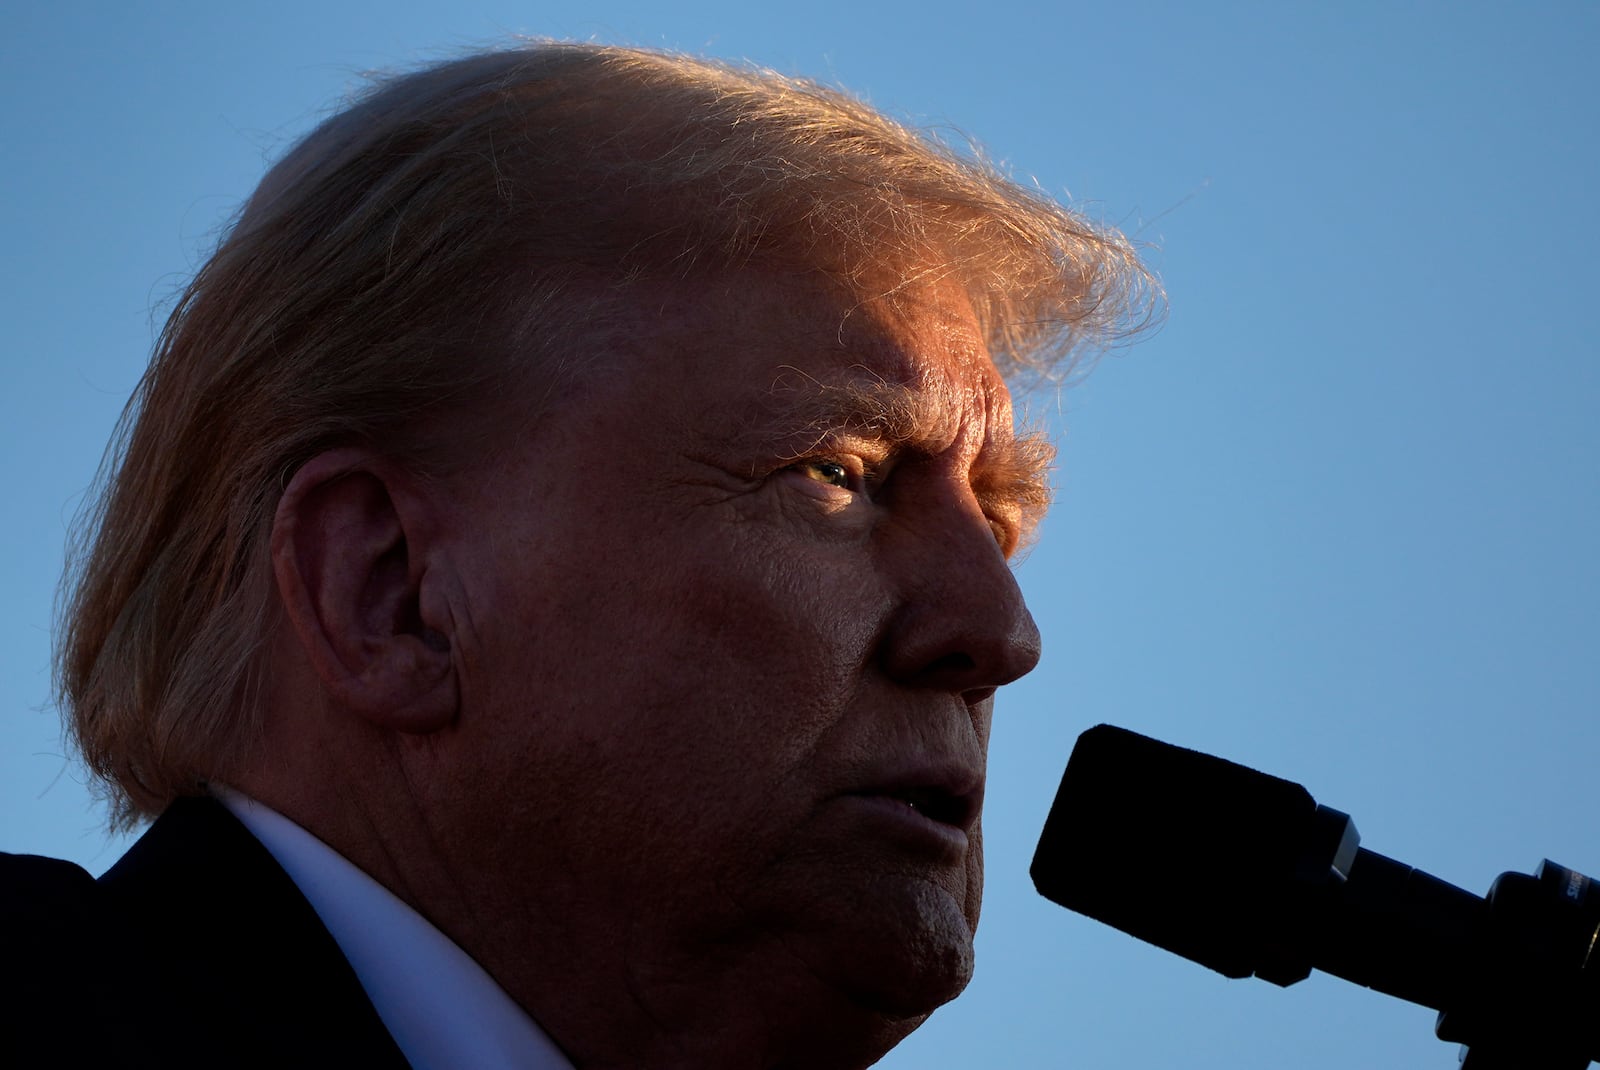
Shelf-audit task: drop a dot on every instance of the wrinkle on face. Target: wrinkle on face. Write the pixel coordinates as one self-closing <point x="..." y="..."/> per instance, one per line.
<point x="1009" y="474"/>
<point x="914" y="380"/>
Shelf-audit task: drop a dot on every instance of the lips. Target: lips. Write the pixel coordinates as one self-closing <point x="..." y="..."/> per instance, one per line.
<point x="948" y="794"/>
<point x="937" y="803"/>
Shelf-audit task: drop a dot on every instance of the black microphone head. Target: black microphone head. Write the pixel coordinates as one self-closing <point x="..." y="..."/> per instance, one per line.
<point x="1181" y="849"/>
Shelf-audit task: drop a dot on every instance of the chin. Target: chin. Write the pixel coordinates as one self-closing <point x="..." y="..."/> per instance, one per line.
<point x="906" y="965"/>
<point x="879" y="990"/>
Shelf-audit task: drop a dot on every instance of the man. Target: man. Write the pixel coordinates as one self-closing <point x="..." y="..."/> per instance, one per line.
<point x="553" y="583"/>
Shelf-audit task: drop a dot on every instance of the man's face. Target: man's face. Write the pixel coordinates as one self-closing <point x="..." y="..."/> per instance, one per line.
<point x="737" y="612"/>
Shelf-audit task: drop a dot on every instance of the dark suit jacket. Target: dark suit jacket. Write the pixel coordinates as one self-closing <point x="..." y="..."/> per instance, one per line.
<point x="194" y="950"/>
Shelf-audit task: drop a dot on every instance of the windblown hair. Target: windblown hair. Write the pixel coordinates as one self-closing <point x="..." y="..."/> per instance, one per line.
<point x="441" y="242"/>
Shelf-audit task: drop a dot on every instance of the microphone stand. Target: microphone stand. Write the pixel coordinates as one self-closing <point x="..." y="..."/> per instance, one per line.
<point x="1541" y="998"/>
<point x="1515" y="976"/>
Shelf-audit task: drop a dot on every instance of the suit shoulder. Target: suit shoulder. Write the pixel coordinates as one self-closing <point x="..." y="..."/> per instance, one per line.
<point x="36" y="890"/>
<point x="53" y="953"/>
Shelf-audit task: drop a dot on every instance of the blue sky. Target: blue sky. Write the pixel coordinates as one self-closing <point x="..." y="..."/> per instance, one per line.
<point x="1337" y="519"/>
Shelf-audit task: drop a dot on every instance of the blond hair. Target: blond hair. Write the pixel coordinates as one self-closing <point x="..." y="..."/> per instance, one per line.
<point x="435" y="244"/>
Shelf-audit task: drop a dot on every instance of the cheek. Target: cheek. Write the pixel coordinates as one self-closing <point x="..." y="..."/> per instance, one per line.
<point x="805" y="619"/>
<point x="741" y="631"/>
<point x="770" y="648"/>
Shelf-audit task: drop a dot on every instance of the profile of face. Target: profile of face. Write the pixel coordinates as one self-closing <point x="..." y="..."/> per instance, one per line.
<point x="738" y="609"/>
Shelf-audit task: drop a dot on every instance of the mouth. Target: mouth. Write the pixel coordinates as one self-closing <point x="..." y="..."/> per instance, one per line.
<point x="939" y="804"/>
<point x="948" y="800"/>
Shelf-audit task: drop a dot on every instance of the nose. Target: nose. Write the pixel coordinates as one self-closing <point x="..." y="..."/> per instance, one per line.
<point x="961" y="624"/>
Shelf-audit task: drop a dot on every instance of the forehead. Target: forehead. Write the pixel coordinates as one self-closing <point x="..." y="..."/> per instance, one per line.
<point x="805" y="352"/>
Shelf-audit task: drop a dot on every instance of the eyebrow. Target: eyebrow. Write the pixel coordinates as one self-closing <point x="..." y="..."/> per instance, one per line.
<point x="1014" y="468"/>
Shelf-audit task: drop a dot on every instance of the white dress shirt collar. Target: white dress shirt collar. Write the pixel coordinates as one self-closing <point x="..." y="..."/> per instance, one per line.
<point x="443" y="1010"/>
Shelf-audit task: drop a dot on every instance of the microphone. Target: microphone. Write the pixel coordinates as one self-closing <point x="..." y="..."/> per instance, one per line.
<point x="1246" y="874"/>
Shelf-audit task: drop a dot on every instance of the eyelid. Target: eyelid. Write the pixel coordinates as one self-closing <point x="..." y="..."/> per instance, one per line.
<point x="1010" y="523"/>
<point x="858" y="471"/>
<point x="1006" y="534"/>
<point x="867" y="473"/>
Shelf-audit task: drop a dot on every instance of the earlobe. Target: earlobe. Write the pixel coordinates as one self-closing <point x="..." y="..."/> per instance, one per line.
<point x="350" y="560"/>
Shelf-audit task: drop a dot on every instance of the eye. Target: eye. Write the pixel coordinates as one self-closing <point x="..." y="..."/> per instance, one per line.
<point x="833" y="473"/>
<point x="1006" y="521"/>
<point x="838" y="478"/>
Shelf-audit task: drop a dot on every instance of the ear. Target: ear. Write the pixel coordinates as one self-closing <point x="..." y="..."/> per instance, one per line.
<point x="350" y="558"/>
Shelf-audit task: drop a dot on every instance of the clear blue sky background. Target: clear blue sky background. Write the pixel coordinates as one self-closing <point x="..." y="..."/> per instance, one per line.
<point x="1337" y="520"/>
